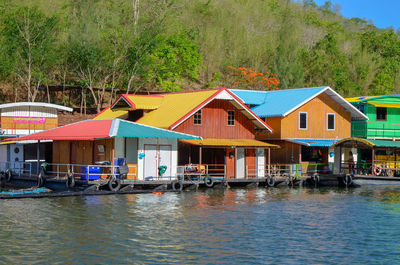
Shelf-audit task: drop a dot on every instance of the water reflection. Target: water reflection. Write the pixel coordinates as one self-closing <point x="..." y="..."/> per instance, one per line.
<point x="228" y="226"/>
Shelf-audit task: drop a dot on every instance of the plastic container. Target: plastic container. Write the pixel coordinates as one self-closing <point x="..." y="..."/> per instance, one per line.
<point x="93" y="174"/>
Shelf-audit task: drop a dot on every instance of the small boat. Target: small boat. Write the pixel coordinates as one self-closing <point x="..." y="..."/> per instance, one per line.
<point x="24" y="191"/>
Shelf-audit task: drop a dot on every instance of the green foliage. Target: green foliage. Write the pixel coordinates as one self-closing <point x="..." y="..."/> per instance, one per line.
<point x="174" y="44"/>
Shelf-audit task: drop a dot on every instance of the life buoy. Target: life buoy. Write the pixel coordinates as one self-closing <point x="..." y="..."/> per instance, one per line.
<point x="41" y="180"/>
<point x="316" y="178"/>
<point x="8" y="175"/>
<point x="347" y="180"/>
<point x="208" y="181"/>
<point x="270" y="181"/>
<point x="377" y="170"/>
<point x="70" y="183"/>
<point x="114" y="184"/>
<point x="177" y="185"/>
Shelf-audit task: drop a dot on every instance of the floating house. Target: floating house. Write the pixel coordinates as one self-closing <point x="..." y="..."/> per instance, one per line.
<point x="22" y="118"/>
<point x="374" y="142"/>
<point x="105" y="142"/>
<point x="305" y="122"/>
<point x="228" y="147"/>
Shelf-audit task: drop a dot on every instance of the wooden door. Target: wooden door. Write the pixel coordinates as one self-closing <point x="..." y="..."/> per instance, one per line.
<point x="230" y="163"/>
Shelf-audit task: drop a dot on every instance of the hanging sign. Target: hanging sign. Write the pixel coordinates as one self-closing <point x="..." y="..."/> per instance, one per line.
<point x="25" y="119"/>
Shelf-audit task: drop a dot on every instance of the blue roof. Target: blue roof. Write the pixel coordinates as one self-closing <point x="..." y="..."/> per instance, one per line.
<point x="278" y="102"/>
<point x="315" y="142"/>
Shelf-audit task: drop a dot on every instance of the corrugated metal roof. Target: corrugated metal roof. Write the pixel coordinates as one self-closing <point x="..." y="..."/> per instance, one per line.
<point x="97" y="129"/>
<point x="145" y="102"/>
<point x="280" y="103"/>
<point x="314" y="142"/>
<point x="175" y="106"/>
<point x="35" y="104"/>
<point x="131" y="129"/>
<point x="111" y="114"/>
<point x="230" y="142"/>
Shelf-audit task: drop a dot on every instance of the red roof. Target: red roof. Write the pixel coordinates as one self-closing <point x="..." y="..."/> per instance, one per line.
<point x="83" y="130"/>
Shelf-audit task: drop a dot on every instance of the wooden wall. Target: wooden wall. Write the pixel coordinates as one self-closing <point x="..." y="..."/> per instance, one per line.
<point x="82" y="152"/>
<point x="317" y="110"/>
<point x="287" y="153"/>
<point x="215" y="123"/>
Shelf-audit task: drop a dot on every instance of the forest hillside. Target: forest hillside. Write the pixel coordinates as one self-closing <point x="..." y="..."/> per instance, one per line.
<point x="106" y="47"/>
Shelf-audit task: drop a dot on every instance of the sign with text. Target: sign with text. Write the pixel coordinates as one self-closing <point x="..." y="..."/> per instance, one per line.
<point x="24" y="119"/>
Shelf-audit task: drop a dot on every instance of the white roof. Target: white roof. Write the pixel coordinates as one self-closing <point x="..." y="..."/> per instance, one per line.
<point x="35" y="104"/>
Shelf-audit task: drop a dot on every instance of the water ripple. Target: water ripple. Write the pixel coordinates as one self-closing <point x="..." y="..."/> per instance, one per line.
<point x="234" y="226"/>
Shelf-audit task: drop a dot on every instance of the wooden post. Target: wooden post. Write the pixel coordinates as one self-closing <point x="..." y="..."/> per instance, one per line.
<point x="235" y="162"/>
<point x="200" y="155"/>
<point x="190" y="154"/>
<point x="373" y="161"/>
<point x="269" y="161"/>
<point x="340" y="159"/>
<point x="38" y="156"/>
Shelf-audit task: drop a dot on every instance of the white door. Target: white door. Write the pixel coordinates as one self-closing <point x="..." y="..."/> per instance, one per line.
<point x="165" y="159"/>
<point x="240" y="163"/>
<point x="150" y="161"/>
<point x="260" y="162"/>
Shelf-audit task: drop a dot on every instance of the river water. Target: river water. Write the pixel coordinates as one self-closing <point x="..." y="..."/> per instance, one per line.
<point x="234" y="226"/>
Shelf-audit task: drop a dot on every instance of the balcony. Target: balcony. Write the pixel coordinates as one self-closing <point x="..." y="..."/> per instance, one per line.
<point x="375" y="129"/>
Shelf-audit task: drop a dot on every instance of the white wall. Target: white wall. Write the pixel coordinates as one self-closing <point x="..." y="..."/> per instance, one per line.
<point x="174" y="153"/>
<point x="260" y="161"/>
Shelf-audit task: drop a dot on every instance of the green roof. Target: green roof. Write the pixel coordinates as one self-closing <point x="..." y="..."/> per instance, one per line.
<point x="385" y="143"/>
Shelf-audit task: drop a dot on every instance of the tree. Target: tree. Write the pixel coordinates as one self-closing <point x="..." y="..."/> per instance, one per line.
<point x="29" y="39"/>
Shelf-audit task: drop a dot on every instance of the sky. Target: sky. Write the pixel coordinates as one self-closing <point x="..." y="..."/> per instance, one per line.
<point x="384" y="13"/>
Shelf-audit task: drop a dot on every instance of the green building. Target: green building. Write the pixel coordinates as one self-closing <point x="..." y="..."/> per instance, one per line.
<point x="383" y="113"/>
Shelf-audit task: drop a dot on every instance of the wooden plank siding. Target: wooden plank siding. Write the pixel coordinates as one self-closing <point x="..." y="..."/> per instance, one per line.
<point x="214" y="123"/>
<point x="317" y="110"/>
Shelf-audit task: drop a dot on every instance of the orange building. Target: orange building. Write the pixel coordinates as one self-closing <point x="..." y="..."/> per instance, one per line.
<point x="305" y="121"/>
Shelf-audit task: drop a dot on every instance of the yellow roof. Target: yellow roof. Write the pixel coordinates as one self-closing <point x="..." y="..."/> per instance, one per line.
<point x="144" y="102"/>
<point x="230" y="142"/>
<point x="357" y="99"/>
<point x="108" y="113"/>
<point x="386" y="105"/>
<point x="8" y="142"/>
<point x="175" y="106"/>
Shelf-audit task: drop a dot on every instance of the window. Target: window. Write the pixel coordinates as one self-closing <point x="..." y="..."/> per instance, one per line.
<point x="231" y="117"/>
<point x="361" y="108"/>
<point x="381" y="114"/>
<point x="330" y="121"/>
<point x="303" y="120"/>
<point x="197" y="117"/>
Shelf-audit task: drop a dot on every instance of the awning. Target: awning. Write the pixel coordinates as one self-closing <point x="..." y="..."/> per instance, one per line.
<point x="367" y="143"/>
<point x="313" y="142"/>
<point x="101" y="129"/>
<point x="230" y="143"/>
<point x="385" y="105"/>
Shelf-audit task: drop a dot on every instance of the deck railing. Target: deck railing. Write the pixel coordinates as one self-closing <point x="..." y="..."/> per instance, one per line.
<point x="375" y="129"/>
<point x="17" y="167"/>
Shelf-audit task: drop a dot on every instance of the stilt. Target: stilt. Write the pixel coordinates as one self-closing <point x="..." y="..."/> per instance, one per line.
<point x="38" y="156"/>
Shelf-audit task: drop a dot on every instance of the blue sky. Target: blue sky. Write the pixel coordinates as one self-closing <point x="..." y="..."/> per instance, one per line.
<point x="384" y="13"/>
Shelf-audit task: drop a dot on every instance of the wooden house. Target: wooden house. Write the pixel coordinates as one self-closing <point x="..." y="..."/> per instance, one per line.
<point x="22" y="118"/>
<point x="226" y="124"/>
<point x="305" y="122"/>
<point x="105" y="142"/>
